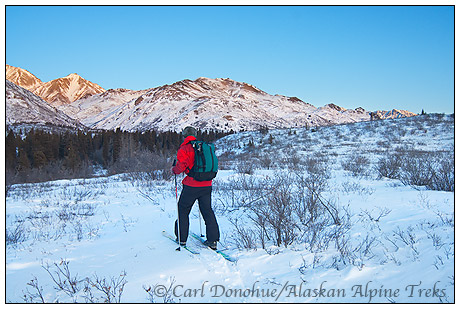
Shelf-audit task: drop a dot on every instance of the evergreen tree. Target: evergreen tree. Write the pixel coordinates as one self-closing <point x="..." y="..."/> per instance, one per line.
<point x="50" y="146"/>
<point x="39" y="159"/>
<point x="116" y="147"/>
<point x="106" y="149"/>
<point x="10" y="150"/>
<point x="23" y="161"/>
<point x="62" y="148"/>
<point x="72" y="160"/>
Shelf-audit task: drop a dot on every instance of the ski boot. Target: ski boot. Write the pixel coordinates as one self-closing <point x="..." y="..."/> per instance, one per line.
<point x="211" y="244"/>
<point x="182" y="243"/>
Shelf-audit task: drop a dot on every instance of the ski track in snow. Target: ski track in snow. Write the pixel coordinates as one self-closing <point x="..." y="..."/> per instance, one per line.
<point x="124" y="234"/>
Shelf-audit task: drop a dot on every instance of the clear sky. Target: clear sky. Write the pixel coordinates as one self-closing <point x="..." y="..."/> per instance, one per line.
<point x="376" y="57"/>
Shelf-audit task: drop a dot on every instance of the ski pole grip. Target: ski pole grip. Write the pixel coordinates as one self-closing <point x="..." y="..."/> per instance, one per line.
<point x="174" y="163"/>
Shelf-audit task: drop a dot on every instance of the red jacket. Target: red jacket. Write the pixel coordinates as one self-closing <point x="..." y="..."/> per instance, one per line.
<point x="185" y="161"/>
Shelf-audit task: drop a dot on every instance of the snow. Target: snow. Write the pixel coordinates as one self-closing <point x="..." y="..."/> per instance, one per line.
<point x="209" y="104"/>
<point x="67" y="89"/>
<point x="121" y="232"/>
<point x="221" y="104"/>
<point x="22" y="107"/>
<point x="22" y="78"/>
<point x="93" y="108"/>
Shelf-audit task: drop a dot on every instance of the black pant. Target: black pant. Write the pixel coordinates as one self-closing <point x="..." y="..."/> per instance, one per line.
<point x="187" y="198"/>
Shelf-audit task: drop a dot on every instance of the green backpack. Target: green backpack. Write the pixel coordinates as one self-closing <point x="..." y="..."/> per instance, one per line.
<point x="205" y="165"/>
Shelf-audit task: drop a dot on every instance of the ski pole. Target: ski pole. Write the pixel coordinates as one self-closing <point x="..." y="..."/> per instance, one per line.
<point x="199" y="216"/>
<point x="177" y="205"/>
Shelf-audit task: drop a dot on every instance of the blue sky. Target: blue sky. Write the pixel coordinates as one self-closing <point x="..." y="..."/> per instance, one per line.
<point x="376" y="57"/>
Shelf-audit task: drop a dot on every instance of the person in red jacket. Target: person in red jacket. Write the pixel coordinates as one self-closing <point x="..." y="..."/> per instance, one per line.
<point x="193" y="190"/>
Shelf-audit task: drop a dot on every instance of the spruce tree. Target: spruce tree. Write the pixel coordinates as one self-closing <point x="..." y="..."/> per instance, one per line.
<point x="10" y="150"/>
<point x="39" y="159"/>
<point x="23" y="161"/>
<point x="116" y="147"/>
<point x="106" y="148"/>
<point x="72" y="160"/>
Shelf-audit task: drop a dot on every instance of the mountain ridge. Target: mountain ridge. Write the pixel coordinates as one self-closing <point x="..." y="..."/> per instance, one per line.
<point x="25" y="107"/>
<point x="67" y="89"/>
<point x="59" y="91"/>
<point x="209" y="104"/>
<point x="224" y="104"/>
<point x="22" y="78"/>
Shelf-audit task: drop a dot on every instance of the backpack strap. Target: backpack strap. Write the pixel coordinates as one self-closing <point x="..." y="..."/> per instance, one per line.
<point x="187" y="169"/>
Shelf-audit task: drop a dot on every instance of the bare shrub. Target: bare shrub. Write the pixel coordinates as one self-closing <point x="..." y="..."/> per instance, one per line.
<point x="292" y="160"/>
<point x="389" y="166"/>
<point x="37" y="295"/>
<point x="68" y="214"/>
<point x="283" y="209"/>
<point x="245" y="166"/>
<point x="266" y="161"/>
<point x="16" y="234"/>
<point x="443" y="174"/>
<point x="317" y="164"/>
<point x="240" y="192"/>
<point x="416" y="169"/>
<point x="167" y="292"/>
<point x="90" y="290"/>
<point x="409" y="238"/>
<point x="277" y="209"/>
<point x="375" y="217"/>
<point x="433" y="170"/>
<point x="357" y="164"/>
<point x="141" y="161"/>
<point x="51" y="171"/>
<point x="226" y="159"/>
<point x="110" y="290"/>
<point x="247" y="238"/>
<point x="63" y="279"/>
<point x="269" y="206"/>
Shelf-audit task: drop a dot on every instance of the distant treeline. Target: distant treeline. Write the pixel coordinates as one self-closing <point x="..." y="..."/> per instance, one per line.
<point x="38" y="155"/>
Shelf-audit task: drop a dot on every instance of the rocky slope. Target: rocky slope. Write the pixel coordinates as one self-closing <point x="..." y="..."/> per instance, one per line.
<point x="208" y="104"/>
<point x="92" y="109"/>
<point x="22" y="78"/>
<point x="67" y="89"/>
<point x="24" y="107"/>
<point x="57" y="92"/>
<point x="222" y="104"/>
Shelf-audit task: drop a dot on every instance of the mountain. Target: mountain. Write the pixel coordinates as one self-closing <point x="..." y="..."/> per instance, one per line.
<point x="67" y="89"/>
<point x="24" y="107"/>
<point x="221" y="104"/>
<point x="22" y="78"/>
<point x="208" y="104"/>
<point x="395" y="113"/>
<point x="91" y="109"/>
<point x="57" y="92"/>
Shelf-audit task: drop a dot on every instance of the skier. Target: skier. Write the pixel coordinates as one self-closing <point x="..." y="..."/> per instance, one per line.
<point x="193" y="190"/>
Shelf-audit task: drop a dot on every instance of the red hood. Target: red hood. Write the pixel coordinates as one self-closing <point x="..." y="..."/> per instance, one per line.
<point x="188" y="139"/>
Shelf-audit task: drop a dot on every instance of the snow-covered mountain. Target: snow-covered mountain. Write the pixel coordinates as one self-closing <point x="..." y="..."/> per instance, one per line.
<point x="393" y="114"/>
<point x="22" y="78"/>
<point x="221" y="104"/>
<point x="57" y="92"/>
<point x="24" y="107"/>
<point x="67" y="89"/>
<point x="92" y="109"/>
<point x="205" y="103"/>
<point x="217" y="104"/>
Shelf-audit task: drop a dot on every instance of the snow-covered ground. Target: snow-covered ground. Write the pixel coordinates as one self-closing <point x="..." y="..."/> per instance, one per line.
<point x="397" y="243"/>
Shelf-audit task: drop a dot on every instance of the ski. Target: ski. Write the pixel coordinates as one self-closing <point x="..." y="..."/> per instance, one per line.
<point x="165" y="234"/>
<point x="223" y="254"/>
